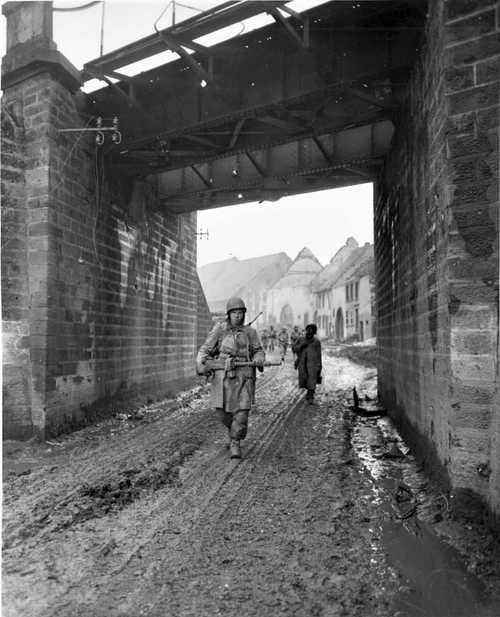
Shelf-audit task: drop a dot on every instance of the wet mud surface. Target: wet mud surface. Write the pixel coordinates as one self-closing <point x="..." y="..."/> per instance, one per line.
<point x="327" y="514"/>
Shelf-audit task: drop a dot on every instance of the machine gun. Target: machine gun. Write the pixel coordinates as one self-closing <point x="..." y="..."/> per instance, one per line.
<point x="228" y="365"/>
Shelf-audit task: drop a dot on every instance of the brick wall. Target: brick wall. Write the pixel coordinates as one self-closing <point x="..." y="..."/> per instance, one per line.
<point x="15" y="313"/>
<point x="436" y="229"/>
<point x="204" y="321"/>
<point x="30" y="302"/>
<point x="115" y="310"/>
<point x="472" y="87"/>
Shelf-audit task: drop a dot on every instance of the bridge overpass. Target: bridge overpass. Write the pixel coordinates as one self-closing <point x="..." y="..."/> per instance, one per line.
<point x="101" y="298"/>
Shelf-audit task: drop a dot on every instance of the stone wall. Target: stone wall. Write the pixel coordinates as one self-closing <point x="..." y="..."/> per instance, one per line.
<point x="15" y="291"/>
<point x="101" y="295"/>
<point x="204" y="321"/>
<point x="436" y="239"/>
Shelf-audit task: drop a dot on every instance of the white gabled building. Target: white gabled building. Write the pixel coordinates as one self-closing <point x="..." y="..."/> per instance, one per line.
<point x="326" y="297"/>
<point x="290" y="300"/>
<point x="248" y="278"/>
<point x="343" y="293"/>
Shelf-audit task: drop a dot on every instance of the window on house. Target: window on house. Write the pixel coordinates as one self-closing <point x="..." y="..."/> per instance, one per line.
<point x="356" y="290"/>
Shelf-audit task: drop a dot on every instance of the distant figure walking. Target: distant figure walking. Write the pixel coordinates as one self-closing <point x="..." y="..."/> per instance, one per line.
<point x="264" y="337"/>
<point x="294" y="337"/>
<point x="272" y="339"/>
<point x="283" y="342"/>
<point x="308" y="362"/>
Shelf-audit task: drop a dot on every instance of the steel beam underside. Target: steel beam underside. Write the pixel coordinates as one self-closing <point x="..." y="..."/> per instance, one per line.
<point x="275" y="112"/>
<point x="353" y="156"/>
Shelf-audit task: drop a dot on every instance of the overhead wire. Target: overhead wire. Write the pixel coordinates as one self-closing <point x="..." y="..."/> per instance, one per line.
<point x="77" y="8"/>
<point x="80" y="135"/>
<point x="99" y="183"/>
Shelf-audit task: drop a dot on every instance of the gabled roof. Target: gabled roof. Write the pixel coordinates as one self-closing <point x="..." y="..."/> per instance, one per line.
<point x="268" y="275"/>
<point x="223" y="279"/>
<point x="359" y="262"/>
<point x="337" y="263"/>
<point x="302" y="270"/>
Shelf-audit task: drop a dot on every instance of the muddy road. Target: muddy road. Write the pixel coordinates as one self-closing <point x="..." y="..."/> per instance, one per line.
<point x="327" y="514"/>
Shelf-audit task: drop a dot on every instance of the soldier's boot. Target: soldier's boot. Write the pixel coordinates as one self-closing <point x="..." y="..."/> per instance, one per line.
<point x="235" y="448"/>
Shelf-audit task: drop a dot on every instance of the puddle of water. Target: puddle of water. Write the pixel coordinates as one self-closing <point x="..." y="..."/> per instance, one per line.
<point x="437" y="581"/>
<point x="16" y="468"/>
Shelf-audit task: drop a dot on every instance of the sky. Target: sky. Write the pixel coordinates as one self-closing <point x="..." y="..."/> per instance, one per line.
<point x="322" y="220"/>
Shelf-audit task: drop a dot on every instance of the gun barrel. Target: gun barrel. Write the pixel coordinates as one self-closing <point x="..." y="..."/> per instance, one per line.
<point x="218" y="365"/>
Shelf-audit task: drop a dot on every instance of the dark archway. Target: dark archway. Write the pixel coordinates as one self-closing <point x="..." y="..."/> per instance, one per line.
<point x="286" y="315"/>
<point x="339" y="325"/>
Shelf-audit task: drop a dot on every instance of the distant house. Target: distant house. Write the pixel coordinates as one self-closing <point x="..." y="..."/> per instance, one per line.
<point x="290" y="299"/>
<point x="344" y="294"/>
<point x="325" y="296"/>
<point x="339" y="298"/>
<point x="359" y="287"/>
<point x="248" y="278"/>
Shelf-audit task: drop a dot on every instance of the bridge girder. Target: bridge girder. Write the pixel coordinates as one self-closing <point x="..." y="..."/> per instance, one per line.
<point x="269" y="97"/>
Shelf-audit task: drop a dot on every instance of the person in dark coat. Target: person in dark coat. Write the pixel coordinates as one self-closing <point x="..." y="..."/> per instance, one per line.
<point x="272" y="338"/>
<point x="308" y="362"/>
<point x="294" y="337"/>
<point x="283" y="342"/>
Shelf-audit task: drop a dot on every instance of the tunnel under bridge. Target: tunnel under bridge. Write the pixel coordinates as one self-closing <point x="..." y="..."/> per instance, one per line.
<point x="101" y="299"/>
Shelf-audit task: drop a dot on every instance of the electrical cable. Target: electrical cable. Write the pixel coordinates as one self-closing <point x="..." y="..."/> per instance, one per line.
<point x="77" y="8"/>
<point x="161" y="15"/>
<point x="99" y="182"/>
<point x="80" y="134"/>
<point x="186" y="6"/>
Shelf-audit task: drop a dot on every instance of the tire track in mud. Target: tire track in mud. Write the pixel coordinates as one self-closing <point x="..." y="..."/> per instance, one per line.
<point x="111" y="557"/>
<point x="224" y="523"/>
<point x="241" y="562"/>
<point x="194" y="510"/>
<point x="118" y="480"/>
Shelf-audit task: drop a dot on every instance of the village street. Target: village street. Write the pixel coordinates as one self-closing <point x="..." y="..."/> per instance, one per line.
<point x="326" y="514"/>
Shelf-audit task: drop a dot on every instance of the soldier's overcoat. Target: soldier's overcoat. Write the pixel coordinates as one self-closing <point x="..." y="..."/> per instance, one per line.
<point x="308" y="361"/>
<point x="237" y="389"/>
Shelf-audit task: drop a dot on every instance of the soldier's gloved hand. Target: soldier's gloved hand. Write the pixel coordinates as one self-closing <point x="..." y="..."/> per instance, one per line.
<point x="260" y="365"/>
<point x="203" y="369"/>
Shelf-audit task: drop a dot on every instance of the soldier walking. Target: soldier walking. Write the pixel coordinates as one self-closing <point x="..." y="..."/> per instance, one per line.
<point x="294" y="337"/>
<point x="308" y="350"/>
<point x="272" y="338"/>
<point x="283" y="342"/>
<point x="232" y="389"/>
<point x="264" y="338"/>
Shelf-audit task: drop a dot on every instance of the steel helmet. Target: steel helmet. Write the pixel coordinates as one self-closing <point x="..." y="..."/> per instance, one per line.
<point x="235" y="303"/>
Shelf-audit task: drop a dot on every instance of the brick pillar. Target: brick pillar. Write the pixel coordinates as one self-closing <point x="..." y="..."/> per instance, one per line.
<point x="31" y="68"/>
<point x="472" y="58"/>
